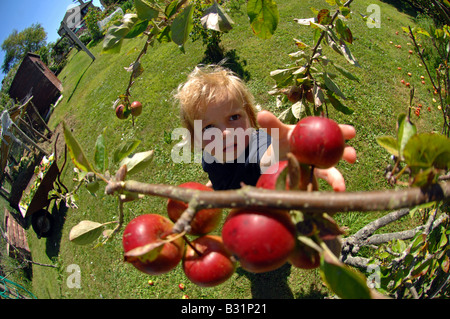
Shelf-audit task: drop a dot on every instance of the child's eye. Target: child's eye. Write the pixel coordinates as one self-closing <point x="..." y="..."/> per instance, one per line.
<point x="235" y="117"/>
<point x="207" y="127"/>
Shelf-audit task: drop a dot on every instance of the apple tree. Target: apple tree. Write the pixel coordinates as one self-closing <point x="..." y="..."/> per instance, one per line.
<point x="289" y="204"/>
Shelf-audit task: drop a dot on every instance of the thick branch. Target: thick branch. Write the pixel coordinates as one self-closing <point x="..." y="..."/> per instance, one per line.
<point x="316" y="201"/>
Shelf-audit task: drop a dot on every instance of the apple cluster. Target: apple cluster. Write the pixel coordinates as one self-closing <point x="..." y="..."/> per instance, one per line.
<point x="260" y="240"/>
<point x="150" y="245"/>
<point x="123" y="111"/>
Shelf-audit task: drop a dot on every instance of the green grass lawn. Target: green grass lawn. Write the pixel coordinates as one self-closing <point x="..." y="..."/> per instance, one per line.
<point x="90" y="88"/>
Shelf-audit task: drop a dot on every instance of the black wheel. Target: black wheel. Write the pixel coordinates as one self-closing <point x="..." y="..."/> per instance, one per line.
<point x="42" y="223"/>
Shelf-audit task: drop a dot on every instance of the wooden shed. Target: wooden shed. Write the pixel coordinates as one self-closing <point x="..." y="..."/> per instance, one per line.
<point x="35" y="79"/>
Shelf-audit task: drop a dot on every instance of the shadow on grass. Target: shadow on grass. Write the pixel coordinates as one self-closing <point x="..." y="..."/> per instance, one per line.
<point x="79" y="80"/>
<point x="54" y="241"/>
<point x="270" y="285"/>
<point x="227" y="59"/>
<point x="274" y="285"/>
<point x="402" y="6"/>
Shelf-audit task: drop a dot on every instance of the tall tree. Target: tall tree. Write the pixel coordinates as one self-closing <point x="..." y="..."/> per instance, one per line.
<point x="18" y="44"/>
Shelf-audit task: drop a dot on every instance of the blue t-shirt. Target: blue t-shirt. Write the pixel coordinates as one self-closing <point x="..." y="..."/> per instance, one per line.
<point x="245" y="169"/>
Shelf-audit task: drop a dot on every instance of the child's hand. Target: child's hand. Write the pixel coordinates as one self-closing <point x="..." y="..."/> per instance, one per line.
<point x="269" y="121"/>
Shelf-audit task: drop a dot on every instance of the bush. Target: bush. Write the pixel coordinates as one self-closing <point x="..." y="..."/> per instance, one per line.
<point x="85" y="38"/>
<point x="91" y="18"/>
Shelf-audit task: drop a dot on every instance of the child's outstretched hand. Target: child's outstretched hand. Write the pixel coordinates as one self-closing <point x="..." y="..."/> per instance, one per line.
<point x="332" y="176"/>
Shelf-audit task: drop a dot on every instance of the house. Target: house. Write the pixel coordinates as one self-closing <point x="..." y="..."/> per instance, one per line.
<point x="74" y="18"/>
<point x="34" y="78"/>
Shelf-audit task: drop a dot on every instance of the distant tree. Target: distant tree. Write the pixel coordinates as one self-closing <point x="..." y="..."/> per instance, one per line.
<point x="18" y="44"/>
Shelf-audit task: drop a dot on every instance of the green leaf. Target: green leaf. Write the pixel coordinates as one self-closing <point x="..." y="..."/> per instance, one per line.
<point x="171" y="8"/>
<point x="164" y="35"/>
<point x="298" y="109"/>
<point x="329" y="83"/>
<point x="137" y="162"/>
<point x="282" y="76"/>
<point x="338" y="104"/>
<point x="427" y="150"/>
<point x="85" y="232"/>
<point x="406" y="130"/>
<point x="345" y="73"/>
<point x="125" y="149"/>
<point x="75" y="151"/>
<point x="144" y="10"/>
<point x="389" y="143"/>
<point x="263" y="15"/>
<point x="343" y="281"/>
<point x="341" y="47"/>
<point x="344" y="31"/>
<point x="182" y="25"/>
<point x="137" y="29"/>
<point x="117" y="32"/>
<point x="101" y="155"/>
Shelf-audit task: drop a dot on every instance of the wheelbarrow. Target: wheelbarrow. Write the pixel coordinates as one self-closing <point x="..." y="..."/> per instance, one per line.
<point x="42" y="220"/>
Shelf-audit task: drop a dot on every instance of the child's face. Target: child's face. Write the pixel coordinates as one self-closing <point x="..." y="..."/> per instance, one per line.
<point x="224" y="129"/>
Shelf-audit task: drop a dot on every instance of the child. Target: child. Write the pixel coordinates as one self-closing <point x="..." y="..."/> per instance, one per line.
<point x="235" y="148"/>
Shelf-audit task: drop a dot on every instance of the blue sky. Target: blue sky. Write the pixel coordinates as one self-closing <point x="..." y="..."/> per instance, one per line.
<point x="20" y="14"/>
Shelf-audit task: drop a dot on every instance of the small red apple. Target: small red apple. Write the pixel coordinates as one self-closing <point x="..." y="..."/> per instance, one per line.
<point x="317" y="141"/>
<point x="213" y="266"/>
<point x="122" y="112"/>
<point x="136" y="108"/>
<point x="149" y="229"/>
<point x="260" y="240"/>
<point x="295" y="94"/>
<point x="205" y="220"/>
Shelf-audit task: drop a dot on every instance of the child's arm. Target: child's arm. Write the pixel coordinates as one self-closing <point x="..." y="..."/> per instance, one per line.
<point x="269" y="121"/>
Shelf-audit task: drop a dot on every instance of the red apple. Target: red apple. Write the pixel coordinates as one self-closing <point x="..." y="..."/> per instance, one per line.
<point x="260" y="240"/>
<point x="317" y="141"/>
<point x="150" y="229"/>
<point x="268" y="180"/>
<point x="205" y="220"/>
<point x="136" y="108"/>
<point x="304" y="257"/>
<point x="121" y="112"/>
<point x="213" y="266"/>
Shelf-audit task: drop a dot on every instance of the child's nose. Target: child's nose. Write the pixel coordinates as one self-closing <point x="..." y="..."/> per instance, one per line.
<point x="227" y="132"/>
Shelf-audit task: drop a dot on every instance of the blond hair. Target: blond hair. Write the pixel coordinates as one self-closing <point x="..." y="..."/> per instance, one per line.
<point x="208" y="84"/>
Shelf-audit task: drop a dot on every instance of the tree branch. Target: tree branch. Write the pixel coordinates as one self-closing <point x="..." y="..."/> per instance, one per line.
<point x="314" y="202"/>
